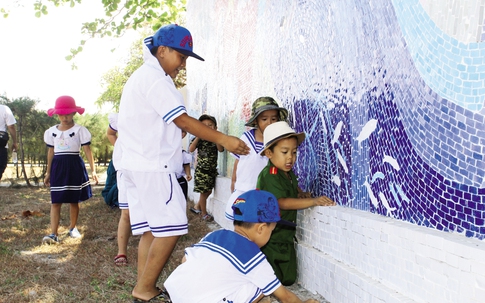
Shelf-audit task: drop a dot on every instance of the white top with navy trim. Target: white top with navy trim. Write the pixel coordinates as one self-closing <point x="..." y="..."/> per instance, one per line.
<point x="6" y="117"/>
<point x="186" y="159"/>
<point x="147" y="138"/>
<point x="113" y="124"/>
<point x="249" y="165"/>
<point x="222" y="267"/>
<point x="67" y="142"/>
<point x="113" y="121"/>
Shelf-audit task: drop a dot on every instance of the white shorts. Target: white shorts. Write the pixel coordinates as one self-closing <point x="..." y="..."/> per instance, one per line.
<point x="122" y="199"/>
<point x="156" y="202"/>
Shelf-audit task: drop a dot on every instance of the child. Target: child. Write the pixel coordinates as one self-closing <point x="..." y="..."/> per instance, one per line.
<point x="110" y="190"/>
<point x="7" y="121"/>
<point x="184" y="175"/>
<point x="66" y="173"/>
<point x="124" y="228"/>
<point x="151" y="117"/>
<point x="280" y="146"/>
<point x="265" y="111"/>
<point x="206" y="169"/>
<point x="228" y="266"/>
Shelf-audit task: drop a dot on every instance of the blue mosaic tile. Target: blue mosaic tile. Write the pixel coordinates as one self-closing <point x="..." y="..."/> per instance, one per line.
<point x="391" y="104"/>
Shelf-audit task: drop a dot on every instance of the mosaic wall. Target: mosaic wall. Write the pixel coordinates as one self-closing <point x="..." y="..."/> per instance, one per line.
<point x="391" y="100"/>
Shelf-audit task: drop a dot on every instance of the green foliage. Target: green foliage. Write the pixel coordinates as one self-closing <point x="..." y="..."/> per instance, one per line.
<point x="97" y="124"/>
<point x="119" y="17"/>
<point x="114" y="80"/>
<point x="32" y="123"/>
<point x="4" y="12"/>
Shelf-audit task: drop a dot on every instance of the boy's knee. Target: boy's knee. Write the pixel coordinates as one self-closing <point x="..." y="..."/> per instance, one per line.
<point x="56" y="206"/>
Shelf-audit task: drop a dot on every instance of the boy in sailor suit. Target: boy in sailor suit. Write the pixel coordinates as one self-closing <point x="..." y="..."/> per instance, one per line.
<point x="228" y="266"/>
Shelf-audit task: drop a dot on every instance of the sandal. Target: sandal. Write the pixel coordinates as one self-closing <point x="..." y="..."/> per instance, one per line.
<point x="207" y="218"/>
<point x="121" y="260"/>
<point x="162" y="297"/>
<point x="195" y="210"/>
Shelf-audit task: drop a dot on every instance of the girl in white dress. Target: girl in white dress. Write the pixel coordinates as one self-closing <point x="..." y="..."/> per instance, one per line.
<point x="66" y="172"/>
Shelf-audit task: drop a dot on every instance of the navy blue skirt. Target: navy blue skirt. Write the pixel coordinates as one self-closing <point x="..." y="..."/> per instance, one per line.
<point x="69" y="179"/>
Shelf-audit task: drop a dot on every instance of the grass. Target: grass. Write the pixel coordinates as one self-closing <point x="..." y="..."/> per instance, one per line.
<point x="77" y="270"/>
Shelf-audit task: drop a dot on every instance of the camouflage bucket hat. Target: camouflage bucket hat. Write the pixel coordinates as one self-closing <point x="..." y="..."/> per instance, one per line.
<point x="262" y="104"/>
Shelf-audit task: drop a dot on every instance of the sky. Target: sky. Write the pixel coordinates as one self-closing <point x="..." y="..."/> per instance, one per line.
<point x="33" y="51"/>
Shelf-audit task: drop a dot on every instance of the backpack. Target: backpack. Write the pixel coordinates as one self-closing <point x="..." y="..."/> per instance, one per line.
<point x="110" y="191"/>
<point x="3" y="138"/>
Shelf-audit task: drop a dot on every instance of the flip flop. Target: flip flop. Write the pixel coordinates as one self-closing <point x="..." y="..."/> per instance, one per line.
<point x="195" y="210"/>
<point x="208" y="218"/>
<point x="162" y="297"/>
<point x="121" y="260"/>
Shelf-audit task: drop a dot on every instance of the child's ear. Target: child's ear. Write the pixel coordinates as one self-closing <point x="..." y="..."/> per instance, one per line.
<point x="161" y="51"/>
<point x="268" y="153"/>
<point x="261" y="227"/>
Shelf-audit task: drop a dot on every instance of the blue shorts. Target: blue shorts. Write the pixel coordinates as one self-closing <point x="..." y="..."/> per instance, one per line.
<point x="3" y="160"/>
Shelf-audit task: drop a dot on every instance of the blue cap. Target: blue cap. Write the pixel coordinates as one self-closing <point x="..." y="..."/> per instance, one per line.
<point x="258" y="206"/>
<point x="173" y="36"/>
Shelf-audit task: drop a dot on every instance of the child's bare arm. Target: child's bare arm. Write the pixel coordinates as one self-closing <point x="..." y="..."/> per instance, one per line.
<point x="188" y="173"/>
<point x="297" y="203"/>
<point x="200" y="130"/>
<point x="112" y="135"/>
<point x="50" y="156"/>
<point x="220" y="148"/>
<point x="303" y="194"/>
<point x="262" y="299"/>
<point x="89" y="156"/>
<point x="234" y="176"/>
<point x="286" y="296"/>
<point x="193" y="144"/>
<point x="13" y="133"/>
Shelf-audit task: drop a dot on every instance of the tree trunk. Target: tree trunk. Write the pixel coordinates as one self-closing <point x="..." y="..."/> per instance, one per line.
<point x="22" y="163"/>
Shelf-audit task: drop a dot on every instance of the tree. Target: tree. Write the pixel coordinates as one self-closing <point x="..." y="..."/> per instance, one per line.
<point x="31" y="125"/>
<point x="114" y="80"/>
<point x="97" y="125"/>
<point x="22" y="107"/>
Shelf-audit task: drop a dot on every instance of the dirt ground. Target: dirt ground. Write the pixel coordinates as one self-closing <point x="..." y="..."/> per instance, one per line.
<point x="77" y="270"/>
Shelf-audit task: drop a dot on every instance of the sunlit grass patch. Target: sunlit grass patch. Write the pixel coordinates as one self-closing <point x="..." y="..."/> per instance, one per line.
<point x="76" y="270"/>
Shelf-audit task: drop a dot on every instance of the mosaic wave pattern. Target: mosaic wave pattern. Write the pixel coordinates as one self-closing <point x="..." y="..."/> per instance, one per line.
<point x="451" y="68"/>
<point x="388" y="131"/>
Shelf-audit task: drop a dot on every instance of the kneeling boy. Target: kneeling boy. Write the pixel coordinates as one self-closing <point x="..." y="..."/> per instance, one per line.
<point x="228" y="266"/>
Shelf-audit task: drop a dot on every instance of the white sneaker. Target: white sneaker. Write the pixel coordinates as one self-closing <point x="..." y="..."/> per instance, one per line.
<point x="74" y="233"/>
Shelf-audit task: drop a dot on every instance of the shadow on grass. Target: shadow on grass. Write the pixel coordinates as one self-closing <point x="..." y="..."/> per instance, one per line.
<point x="76" y="270"/>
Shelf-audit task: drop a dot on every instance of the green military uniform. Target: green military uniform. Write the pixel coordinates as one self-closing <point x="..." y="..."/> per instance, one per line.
<point x="206" y="169"/>
<point x="280" y="249"/>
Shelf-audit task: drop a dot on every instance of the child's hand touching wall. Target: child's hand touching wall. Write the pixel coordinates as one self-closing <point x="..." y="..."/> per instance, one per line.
<point x="323" y="201"/>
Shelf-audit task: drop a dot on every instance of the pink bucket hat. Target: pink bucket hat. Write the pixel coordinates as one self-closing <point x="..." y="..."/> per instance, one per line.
<point x="65" y="105"/>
